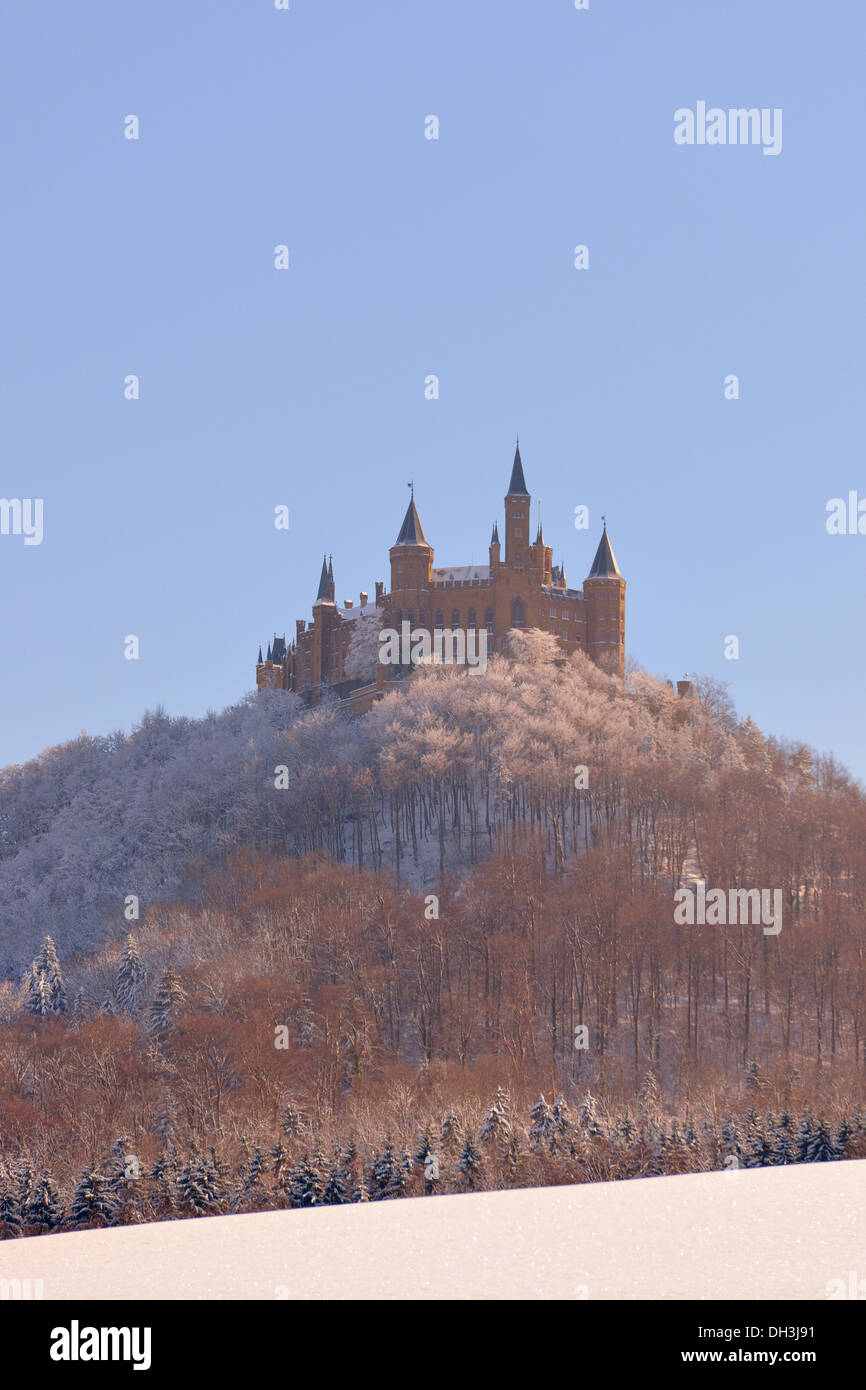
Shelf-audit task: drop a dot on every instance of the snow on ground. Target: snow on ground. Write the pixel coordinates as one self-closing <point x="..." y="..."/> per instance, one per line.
<point x="759" y="1234"/>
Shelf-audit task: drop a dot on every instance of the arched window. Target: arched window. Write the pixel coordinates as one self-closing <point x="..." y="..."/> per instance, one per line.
<point x="518" y="613"/>
<point x="488" y="620"/>
<point x="438" y="619"/>
<point x="472" y="623"/>
<point x="455" y="618"/>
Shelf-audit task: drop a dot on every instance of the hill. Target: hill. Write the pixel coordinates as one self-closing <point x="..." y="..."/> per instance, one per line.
<point x="793" y="1233"/>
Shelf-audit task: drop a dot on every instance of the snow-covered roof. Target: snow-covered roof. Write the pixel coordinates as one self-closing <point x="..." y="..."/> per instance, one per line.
<point x="357" y="612"/>
<point x="461" y="572"/>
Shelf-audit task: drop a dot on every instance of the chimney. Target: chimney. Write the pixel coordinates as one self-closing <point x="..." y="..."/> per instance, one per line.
<point x="380" y="589"/>
<point x="348" y="603"/>
<point x="364" y="597"/>
<point x="300" y="624"/>
<point x="684" y="687"/>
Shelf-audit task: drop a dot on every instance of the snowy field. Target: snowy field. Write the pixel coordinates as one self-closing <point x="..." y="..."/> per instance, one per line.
<point x="764" y="1233"/>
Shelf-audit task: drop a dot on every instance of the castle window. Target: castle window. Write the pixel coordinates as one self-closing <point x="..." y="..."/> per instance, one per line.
<point x="488" y="620"/>
<point x="438" y="619"/>
<point x="472" y="623"/>
<point x="455" y="618"/>
<point x="518" y="613"/>
<point x="399" y="618"/>
<point x="411" y="620"/>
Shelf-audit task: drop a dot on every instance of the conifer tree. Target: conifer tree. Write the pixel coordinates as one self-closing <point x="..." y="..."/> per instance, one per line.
<point x="761" y="1150"/>
<point x="783" y="1147"/>
<point x="279" y="1157"/>
<point x="250" y="1195"/>
<point x="451" y="1133"/>
<point x="805" y="1136"/>
<point x="10" y="1207"/>
<point x="44" y="1211"/>
<point x="47" y="964"/>
<point x="92" y="1204"/>
<point x="130" y="979"/>
<point x="648" y="1094"/>
<point x="625" y="1130"/>
<point x="386" y="1175"/>
<point x="731" y="1144"/>
<point x="201" y="1185"/>
<point x="169" y="998"/>
<point x="657" y="1152"/>
<point x="42" y="998"/>
<point x="844" y="1135"/>
<point x="542" y="1130"/>
<point x="469" y="1162"/>
<point x="292" y="1120"/>
<point x="305" y="1184"/>
<point x="163" y="1178"/>
<point x="423" y="1147"/>
<point x="497" y="1126"/>
<point x="33" y="1002"/>
<point x="336" y="1188"/>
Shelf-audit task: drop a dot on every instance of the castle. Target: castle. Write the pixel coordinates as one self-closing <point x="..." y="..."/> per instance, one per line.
<point x="520" y="589"/>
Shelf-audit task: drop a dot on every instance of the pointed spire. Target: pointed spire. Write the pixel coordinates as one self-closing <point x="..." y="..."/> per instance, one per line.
<point x="259" y="659"/>
<point x="324" y="583"/>
<point x="604" y="565"/>
<point x="412" y="532"/>
<point x="539" y="539"/>
<point x="494" y="539"/>
<point x="517" y="486"/>
<point x="270" y="658"/>
<point x="331" y="590"/>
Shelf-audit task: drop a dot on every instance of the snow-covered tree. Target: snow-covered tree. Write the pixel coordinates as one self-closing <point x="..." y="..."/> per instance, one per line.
<point x="201" y="1184"/>
<point x="11" y="1214"/>
<point x="305" y="1184"/>
<point x="44" y="1210"/>
<point x="92" y="1204"/>
<point x="497" y="1125"/>
<point x="542" y="1130"/>
<point x="130" y="979"/>
<point x="362" y="657"/>
<point x="533" y="647"/>
<point x="470" y="1161"/>
<point x="386" y="1175"/>
<point x="166" y="1006"/>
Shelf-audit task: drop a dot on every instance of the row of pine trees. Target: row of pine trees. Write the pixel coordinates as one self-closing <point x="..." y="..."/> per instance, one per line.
<point x="550" y="1146"/>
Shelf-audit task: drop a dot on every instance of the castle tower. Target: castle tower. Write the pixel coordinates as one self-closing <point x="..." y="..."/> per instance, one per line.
<point x="542" y="557"/>
<point x="324" y="610"/>
<point x="604" y="589"/>
<point x="494" y="547"/>
<point x="517" y="516"/>
<point x="411" y="556"/>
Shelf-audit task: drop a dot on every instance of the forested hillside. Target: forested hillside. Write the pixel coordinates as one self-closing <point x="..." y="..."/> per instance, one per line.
<point x="444" y="928"/>
<point x="431" y="780"/>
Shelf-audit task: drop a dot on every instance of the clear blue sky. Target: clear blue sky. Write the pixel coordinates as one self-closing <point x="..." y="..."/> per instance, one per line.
<point x="410" y="257"/>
